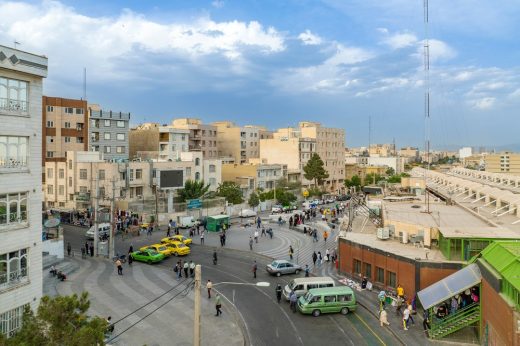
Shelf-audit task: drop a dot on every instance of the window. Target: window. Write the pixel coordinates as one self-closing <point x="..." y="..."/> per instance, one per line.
<point x="120" y="150"/>
<point x="67" y="125"/>
<point x="357" y="267"/>
<point x="50" y="154"/>
<point x="131" y="175"/>
<point x="61" y="173"/>
<point x="120" y="123"/>
<point x="67" y="139"/>
<point x="50" y="139"/>
<point x="50" y="189"/>
<point x="13" y="208"/>
<point x="107" y="123"/>
<point x="131" y="192"/>
<point x="94" y="123"/>
<point x="107" y="135"/>
<point x="79" y="139"/>
<point x="80" y="111"/>
<point x="344" y="297"/>
<point x="69" y="110"/>
<point x="108" y="149"/>
<point x="138" y="174"/>
<point x="13" y="95"/>
<point x="329" y="299"/>
<point x="139" y="191"/>
<point x="188" y="172"/>
<point x="61" y="190"/>
<point x="212" y="181"/>
<point x="380" y="275"/>
<point x="212" y="168"/>
<point x="101" y="191"/>
<point x="70" y="164"/>
<point x="49" y="173"/>
<point x="197" y="161"/>
<point x="11" y="321"/>
<point x="50" y="123"/>
<point x="13" y="151"/>
<point x="50" y="109"/>
<point x="391" y="279"/>
<point x="83" y="174"/>
<point x="368" y="270"/>
<point x="83" y="189"/>
<point x="101" y="174"/>
<point x="70" y="181"/>
<point x="197" y="176"/>
<point x="120" y="137"/>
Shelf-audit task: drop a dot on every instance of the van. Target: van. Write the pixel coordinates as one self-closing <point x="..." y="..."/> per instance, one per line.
<point x="328" y="300"/>
<point x="302" y="285"/>
<point x="103" y="230"/>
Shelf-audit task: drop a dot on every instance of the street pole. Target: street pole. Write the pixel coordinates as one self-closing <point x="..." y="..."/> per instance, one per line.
<point x="96" y="226"/>
<point x="196" y="317"/>
<point x="111" y="240"/>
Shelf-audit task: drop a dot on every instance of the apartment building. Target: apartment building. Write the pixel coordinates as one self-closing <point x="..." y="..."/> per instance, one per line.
<point x="21" y="76"/>
<point x="240" y="142"/>
<point x="142" y="139"/>
<point x="202" y="137"/>
<point x="252" y="176"/>
<point x="71" y="184"/>
<point x="396" y="163"/>
<point x="65" y="127"/>
<point x="172" y="142"/>
<point x="382" y="150"/>
<point x="410" y="153"/>
<point x="505" y="162"/>
<point x="108" y="133"/>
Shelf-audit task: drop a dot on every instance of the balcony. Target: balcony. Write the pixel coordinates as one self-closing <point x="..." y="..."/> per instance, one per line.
<point x="13" y="105"/>
<point x="13" y="162"/>
<point x="13" y="278"/>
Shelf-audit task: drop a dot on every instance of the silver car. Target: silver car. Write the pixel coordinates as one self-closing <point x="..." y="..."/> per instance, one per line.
<point x="280" y="267"/>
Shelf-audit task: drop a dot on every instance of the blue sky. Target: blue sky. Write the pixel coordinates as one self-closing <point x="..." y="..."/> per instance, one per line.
<point x="274" y="63"/>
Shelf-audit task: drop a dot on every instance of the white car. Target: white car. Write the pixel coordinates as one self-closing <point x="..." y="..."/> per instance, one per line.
<point x="247" y="213"/>
<point x="276" y="209"/>
<point x="103" y="231"/>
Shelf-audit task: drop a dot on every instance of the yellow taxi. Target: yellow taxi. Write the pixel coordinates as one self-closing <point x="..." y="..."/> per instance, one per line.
<point x="160" y="248"/>
<point x="181" y="238"/>
<point x="177" y="248"/>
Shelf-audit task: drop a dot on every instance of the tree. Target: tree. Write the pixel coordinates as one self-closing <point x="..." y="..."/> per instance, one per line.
<point x="373" y="178"/>
<point x="285" y="198"/>
<point x="230" y="191"/>
<point x="355" y="181"/>
<point x="390" y="171"/>
<point x="61" y="320"/>
<point x="254" y="201"/>
<point x="314" y="170"/>
<point x="193" y="189"/>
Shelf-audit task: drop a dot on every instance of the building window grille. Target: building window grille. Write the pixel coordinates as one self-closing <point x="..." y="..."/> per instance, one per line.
<point x="13" y="95"/>
<point x="13" y="151"/>
<point x="13" y="208"/>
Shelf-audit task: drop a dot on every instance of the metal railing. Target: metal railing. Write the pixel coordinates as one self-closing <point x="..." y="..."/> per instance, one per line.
<point x="13" y="278"/>
<point x="13" y="162"/>
<point x="453" y="322"/>
<point x="13" y="105"/>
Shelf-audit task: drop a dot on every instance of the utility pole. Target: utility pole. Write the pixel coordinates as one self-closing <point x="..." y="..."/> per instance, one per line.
<point x="112" y="221"/>
<point x="426" y="102"/>
<point x="196" y="316"/>
<point x="96" y="226"/>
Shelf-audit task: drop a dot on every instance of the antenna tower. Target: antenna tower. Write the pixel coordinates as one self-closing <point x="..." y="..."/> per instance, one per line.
<point x="426" y="101"/>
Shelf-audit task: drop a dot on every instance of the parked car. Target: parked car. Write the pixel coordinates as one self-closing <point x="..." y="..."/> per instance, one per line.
<point x="277" y="208"/>
<point x="178" y="248"/>
<point x="343" y="198"/>
<point x="103" y="231"/>
<point x="179" y="238"/>
<point x="147" y="255"/>
<point x="280" y="267"/>
<point x="247" y="213"/>
<point x="160" y="248"/>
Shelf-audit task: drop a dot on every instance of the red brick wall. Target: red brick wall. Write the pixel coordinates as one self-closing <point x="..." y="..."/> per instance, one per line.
<point x="499" y="317"/>
<point x="430" y="276"/>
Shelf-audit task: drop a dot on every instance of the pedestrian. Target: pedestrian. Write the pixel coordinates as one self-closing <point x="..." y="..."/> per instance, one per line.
<point x="320" y="258"/>
<point x="306" y="270"/>
<point x="254" y="269"/>
<point x="327" y="255"/>
<point x="192" y="269"/>
<point x="454" y="305"/>
<point x="256" y="236"/>
<point x="250" y="243"/>
<point x="293" y="299"/>
<point x="215" y="257"/>
<point x="314" y="258"/>
<point x="186" y="268"/>
<point x="383" y="318"/>
<point x="119" y="266"/>
<point x="202" y="238"/>
<point x="86" y="248"/>
<point x="178" y="270"/>
<point x="398" y="305"/>
<point x="325" y="236"/>
<point x="258" y="222"/>
<point x="278" y="293"/>
<point x="224" y="236"/>
<point x="406" y="316"/>
<point x="400" y="291"/>
<point x="168" y="234"/>
<point x="91" y="250"/>
<point x="221" y="235"/>
<point x="410" y="310"/>
<point x="218" y="305"/>
<point x="130" y="259"/>
<point x="209" y="286"/>
<point x="83" y="253"/>
<point x="69" y="248"/>
<point x="198" y="228"/>
<point x="263" y="232"/>
<point x="426" y="321"/>
<point x="291" y="252"/>
<point x="315" y="235"/>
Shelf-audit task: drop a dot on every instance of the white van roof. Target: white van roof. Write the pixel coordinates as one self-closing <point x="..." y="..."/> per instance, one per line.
<point x="317" y="279"/>
<point x="101" y="225"/>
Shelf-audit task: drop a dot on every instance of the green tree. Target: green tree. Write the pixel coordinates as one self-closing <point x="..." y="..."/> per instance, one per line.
<point x="396" y="178"/>
<point x="193" y="189"/>
<point x="373" y="178"/>
<point x="315" y="170"/>
<point x="355" y="181"/>
<point x="315" y="192"/>
<point x="285" y="198"/>
<point x="253" y="201"/>
<point x="61" y="320"/>
<point x="390" y="171"/>
<point x="230" y="191"/>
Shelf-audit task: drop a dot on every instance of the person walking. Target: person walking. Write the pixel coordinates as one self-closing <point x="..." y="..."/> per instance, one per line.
<point x="186" y="268"/>
<point x="398" y="305"/>
<point x="86" y="248"/>
<point x="291" y="252"/>
<point x="325" y="236"/>
<point x="131" y="249"/>
<point x="263" y="234"/>
<point x="306" y="270"/>
<point x="168" y="232"/>
<point x="320" y="258"/>
<point x="426" y="321"/>
<point x="327" y="255"/>
<point x="130" y="259"/>
<point x="406" y="316"/>
<point x="278" y="293"/>
<point x="192" y="269"/>
<point x="293" y="299"/>
<point x="202" y="238"/>
<point x="119" y="266"/>
<point x="215" y="259"/>
<point x="256" y="236"/>
<point x="91" y="250"/>
<point x="410" y="309"/>
<point x="178" y="270"/>
<point x="209" y="286"/>
<point x="258" y="222"/>
<point x="314" y="258"/>
<point x="315" y="235"/>
<point x="383" y="318"/>
<point x="69" y="248"/>
<point x="400" y="291"/>
<point x="254" y="269"/>
<point x="218" y="305"/>
<point x="250" y="243"/>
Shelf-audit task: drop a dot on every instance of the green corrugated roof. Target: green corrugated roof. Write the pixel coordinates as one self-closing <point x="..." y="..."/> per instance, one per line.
<point x="504" y="257"/>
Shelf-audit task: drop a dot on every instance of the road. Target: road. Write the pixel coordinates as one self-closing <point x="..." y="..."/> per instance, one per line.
<point x="263" y="320"/>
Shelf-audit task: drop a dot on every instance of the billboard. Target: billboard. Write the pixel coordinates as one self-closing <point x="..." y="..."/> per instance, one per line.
<point x="170" y="179"/>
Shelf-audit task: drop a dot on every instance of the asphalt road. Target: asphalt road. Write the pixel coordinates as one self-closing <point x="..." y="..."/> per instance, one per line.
<point x="264" y="321"/>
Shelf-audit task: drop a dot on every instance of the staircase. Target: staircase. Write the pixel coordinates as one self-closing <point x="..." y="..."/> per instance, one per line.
<point x="452" y="323"/>
<point x="49" y="260"/>
<point x="363" y="209"/>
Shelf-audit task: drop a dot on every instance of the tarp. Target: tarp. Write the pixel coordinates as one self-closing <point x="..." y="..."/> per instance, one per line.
<point x="448" y="287"/>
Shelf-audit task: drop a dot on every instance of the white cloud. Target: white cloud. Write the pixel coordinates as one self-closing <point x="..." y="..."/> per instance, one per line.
<point x="484" y="103"/>
<point x="217" y="3"/>
<point x="400" y="40"/>
<point x="308" y="38"/>
<point x="439" y="50"/>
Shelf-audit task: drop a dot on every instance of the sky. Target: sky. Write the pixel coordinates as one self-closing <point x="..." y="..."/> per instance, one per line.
<point x="277" y="62"/>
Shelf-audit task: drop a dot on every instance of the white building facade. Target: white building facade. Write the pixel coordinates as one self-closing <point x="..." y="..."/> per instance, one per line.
<point x="21" y="76"/>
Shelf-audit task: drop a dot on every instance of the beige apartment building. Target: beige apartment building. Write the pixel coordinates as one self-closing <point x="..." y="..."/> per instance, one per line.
<point x="72" y="184"/>
<point x="382" y="150"/>
<point x="172" y="142"/>
<point x="202" y="137"/>
<point x="505" y="162"/>
<point x="255" y="175"/>
<point x="65" y="127"/>
<point x="240" y="142"/>
<point x="411" y="153"/>
<point x="143" y="138"/>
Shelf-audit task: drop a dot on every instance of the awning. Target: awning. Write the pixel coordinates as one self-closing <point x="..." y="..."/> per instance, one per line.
<point x="448" y="287"/>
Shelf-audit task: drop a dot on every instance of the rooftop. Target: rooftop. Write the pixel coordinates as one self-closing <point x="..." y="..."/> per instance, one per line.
<point x="478" y="232"/>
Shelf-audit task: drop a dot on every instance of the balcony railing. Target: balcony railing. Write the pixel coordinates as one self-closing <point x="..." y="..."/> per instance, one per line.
<point x="13" y="105"/>
<point x="13" y="278"/>
<point x="13" y="162"/>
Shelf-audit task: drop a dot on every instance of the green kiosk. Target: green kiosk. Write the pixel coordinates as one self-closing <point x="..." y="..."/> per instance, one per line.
<point x="217" y="222"/>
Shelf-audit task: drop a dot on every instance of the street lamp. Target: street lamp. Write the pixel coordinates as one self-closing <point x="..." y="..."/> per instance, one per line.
<point x="259" y="284"/>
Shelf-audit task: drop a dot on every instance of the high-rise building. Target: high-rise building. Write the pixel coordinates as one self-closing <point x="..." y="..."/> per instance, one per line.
<point x="239" y="142"/>
<point x="21" y="76"/>
<point x="202" y="137"/>
<point x="65" y="127"/>
<point x="108" y="133"/>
